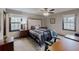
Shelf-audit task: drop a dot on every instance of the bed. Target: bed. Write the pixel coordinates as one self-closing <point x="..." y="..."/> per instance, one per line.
<point x="40" y="35"/>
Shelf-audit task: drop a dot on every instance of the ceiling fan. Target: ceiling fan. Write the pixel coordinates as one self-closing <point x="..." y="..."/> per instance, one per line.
<point x="47" y="11"/>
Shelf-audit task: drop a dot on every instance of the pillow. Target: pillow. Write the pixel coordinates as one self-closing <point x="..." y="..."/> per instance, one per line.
<point x="36" y="27"/>
<point x="32" y="27"/>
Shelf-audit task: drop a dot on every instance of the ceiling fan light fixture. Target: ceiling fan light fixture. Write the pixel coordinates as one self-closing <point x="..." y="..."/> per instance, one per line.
<point x="46" y="14"/>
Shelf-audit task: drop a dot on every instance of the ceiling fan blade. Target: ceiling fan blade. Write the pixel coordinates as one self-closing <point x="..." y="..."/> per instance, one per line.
<point x="52" y="9"/>
<point x="51" y="12"/>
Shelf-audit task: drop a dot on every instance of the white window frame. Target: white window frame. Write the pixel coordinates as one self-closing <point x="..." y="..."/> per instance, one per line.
<point x="16" y="23"/>
<point x="66" y="21"/>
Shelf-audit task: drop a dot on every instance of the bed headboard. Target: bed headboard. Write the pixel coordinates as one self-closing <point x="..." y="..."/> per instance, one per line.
<point x="32" y="23"/>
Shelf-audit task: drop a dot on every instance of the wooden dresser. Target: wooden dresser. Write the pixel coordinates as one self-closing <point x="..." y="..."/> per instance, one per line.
<point x="24" y="33"/>
<point x="7" y="46"/>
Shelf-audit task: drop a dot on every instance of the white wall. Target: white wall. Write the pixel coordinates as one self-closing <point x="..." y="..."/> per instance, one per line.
<point x="1" y="24"/>
<point x="8" y="33"/>
<point x="12" y="13"/>
<point x="58" y="25"/>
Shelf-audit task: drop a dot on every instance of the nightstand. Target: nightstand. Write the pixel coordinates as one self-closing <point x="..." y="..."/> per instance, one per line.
<point x="24" y="33"/>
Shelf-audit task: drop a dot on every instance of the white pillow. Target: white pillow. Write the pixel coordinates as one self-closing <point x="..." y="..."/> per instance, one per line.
<point x="37" y="27"/>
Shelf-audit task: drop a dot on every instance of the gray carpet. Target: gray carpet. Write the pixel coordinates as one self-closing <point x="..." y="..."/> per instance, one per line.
<point x="27" y="44"/>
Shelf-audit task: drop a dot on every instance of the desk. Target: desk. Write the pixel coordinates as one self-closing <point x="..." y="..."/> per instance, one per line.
<point x="65" y="45"/>
<point x="7" y="46"/>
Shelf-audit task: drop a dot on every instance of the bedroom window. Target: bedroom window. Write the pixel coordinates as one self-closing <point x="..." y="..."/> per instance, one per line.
<point x="69" y="22"/>
<point x="15" y="23"/>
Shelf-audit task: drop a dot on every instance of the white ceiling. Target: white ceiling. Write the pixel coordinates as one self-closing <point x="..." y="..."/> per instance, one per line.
<point x="38" y="12"/>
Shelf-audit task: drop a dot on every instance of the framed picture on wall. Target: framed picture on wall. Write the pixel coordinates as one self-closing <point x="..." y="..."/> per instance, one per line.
<point x="52" y="20"/>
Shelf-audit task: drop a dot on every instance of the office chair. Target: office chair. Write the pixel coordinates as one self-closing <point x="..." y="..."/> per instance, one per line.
<point x="53" y="40"/>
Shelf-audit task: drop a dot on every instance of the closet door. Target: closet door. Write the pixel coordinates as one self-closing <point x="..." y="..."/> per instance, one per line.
<point x="32" y="22"/>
